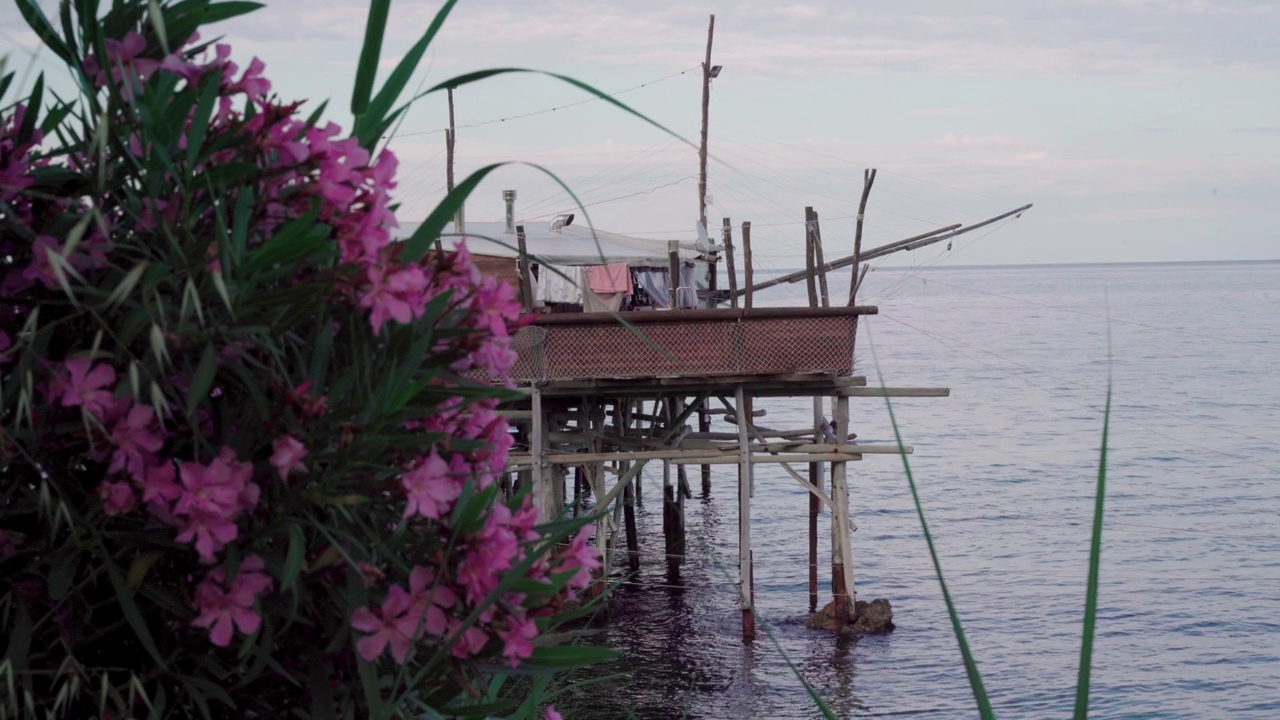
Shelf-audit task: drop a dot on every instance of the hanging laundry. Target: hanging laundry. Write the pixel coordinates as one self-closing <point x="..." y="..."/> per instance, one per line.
<point x="687" y="290"/>
<point x="612" y="278"/>
<point x="593" y="301"/>
<point x="559" y="284"/>
<point x="654" y="283"/>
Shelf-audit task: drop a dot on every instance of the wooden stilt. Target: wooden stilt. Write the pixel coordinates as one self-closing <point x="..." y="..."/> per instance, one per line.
<point x="578" y="481"/>
<point x="746" y="590"/>
<point x="841" y="557"/>
<point x="629" y="519"/>
<point x="543" y="489"/>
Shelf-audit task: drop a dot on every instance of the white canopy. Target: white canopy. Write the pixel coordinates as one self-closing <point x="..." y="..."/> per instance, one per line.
<point x="571" y="245"/>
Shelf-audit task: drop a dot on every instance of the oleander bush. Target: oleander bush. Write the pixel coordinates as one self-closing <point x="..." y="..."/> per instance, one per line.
<point x="249" y="447"/>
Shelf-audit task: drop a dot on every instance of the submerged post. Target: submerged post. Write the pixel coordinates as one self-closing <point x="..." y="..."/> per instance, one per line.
<point x="841" y="555"/>
<point x="747" y="592"/>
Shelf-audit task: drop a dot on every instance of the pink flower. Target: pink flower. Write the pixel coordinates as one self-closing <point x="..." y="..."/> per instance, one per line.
<point x="516" y="637"/>
<point x="86" y="386"/>
<point x="582" y="557"/>
<point x="158" y="485"/>
<point x="221" y="607"/>
<point x="468" y="643"/>
<point x="430" y="489"/>
<point x="288" y="456"/>
<point x="393" y="296"/>
<point x="117" y="498"/>
<point x="137" y="437"/>
<point x="211" y="500"/>
<point x="551" y="714"/>
<point x="392" y="626"/>
<point x="429" y="603"/>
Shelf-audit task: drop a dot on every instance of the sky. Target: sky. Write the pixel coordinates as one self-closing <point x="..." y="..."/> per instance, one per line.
<point x="1142" y="130"/>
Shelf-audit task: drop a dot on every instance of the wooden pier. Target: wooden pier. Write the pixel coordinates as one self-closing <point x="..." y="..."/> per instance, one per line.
<point x="606" y="397"/>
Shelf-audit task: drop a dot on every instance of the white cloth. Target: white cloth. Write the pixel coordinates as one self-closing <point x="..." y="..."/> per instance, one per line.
<point x="559" y="284"/>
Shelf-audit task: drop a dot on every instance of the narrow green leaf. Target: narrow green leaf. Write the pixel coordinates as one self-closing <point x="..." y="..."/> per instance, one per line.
<point x="1095" y="554"/>
<point x="140" y="567"/>
<point x="970" y="665"/>
<point x="217" y="12"/>
<point x="127" y="284"/>
<point x="6" y="79"/>
<point x="370" y="53"/>
<point x="63" y="573"/>
<point x="34" y="100"/>
<point x="240" y="226"/>
<point x="294" y="557"/>
<point x="293" y="241"/>
<point x="200" y="121"/>
<point x="399" y="78"/>
<point x="20" y="634"/>
<point x="124" y="596"/>
<point x="202" y="380"/>
<point x="36" y="19"/>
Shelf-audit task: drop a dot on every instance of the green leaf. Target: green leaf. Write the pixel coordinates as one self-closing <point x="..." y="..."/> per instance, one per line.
<point x="217" y="12"/>
<point x="377" y="110"/>
<point x="21" y="631"/>
<point x="970" y="665"/>
<point x="203" y="113"/>
<point x="1091" y="594"/>
<point x="35" y="18"/>
<point x="140" y="567"/>
<point x="124" y="596"/>
<point x="294" y="558"/>
<point x="293" y="241"/>
<point x="202" y="380"/>
<point x="370" y="52"/>
<point x="28" y="128"/>
<point x="572" y="656"/>
<point x="240" y="225"/>
<point x="63" y="573"/>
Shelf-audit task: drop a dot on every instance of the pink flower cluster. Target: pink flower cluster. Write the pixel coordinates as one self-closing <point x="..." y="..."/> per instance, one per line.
<point x="222" y="606"/>
<point x="405" y="617"/>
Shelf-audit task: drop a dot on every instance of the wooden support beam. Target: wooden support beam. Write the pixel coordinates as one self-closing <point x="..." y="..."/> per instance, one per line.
<point x="824" y="297"/>
<point x="726" y="238"/>
<point x="673" y="273"/>
<point x="841" y="553"/>
<point x="815" y="507"/>
<point x="633" y="537"/>
<point x="526" y="271"/>
<point x="746" y="592"/>
<point x="543" y="493"/>
<point x="747" y="268"/>
<point x="810" y="280"/>
<point x="868" y="179"/>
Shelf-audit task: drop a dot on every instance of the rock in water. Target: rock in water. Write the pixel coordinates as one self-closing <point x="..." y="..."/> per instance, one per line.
<point x="863" y="618"/>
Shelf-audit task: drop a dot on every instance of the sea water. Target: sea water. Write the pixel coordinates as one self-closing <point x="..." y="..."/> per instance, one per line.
<point x="1189" y="605"/>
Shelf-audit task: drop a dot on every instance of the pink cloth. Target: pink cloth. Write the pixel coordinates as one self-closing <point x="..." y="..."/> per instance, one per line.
<point x="615" y="278"/>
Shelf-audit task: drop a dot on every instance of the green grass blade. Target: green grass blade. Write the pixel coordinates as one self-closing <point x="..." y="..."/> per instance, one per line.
<point x="1095" y="552"/>
<point x="970" y="665"/>
<point x="374" y="30"/>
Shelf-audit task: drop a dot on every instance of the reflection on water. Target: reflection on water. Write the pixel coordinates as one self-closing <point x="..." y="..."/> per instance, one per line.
<point x="1006" y="468"/>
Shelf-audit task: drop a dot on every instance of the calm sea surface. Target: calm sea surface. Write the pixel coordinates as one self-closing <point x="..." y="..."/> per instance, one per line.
<point x="1189" y="621"/>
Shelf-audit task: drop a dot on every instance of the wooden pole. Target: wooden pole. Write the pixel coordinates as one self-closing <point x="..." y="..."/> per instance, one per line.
<point x="673" y="272"/>
<point x="810" y="281"/>
<point x="823" y="296"/>
<point x="746" y="267"/>
<point x="629" y="519"/>
<point x="841" y="555"/>
<point x="706" y="109"/>
<point x="450" y="136"/>
<point x="744" y="518"/>
<point x="543" y="493"/>
<point x="815" y="506"/>
<point x="911" y="243"/>
<point x="868" y="179"/>
<point x="578" y="480"/>
<point x="861" y="276"/>
<point x="526" y="273"/>
<point x="726" y="237"/>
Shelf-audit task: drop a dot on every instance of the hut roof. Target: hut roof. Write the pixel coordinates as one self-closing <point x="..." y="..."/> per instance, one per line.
<point x="572" y="245"/>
